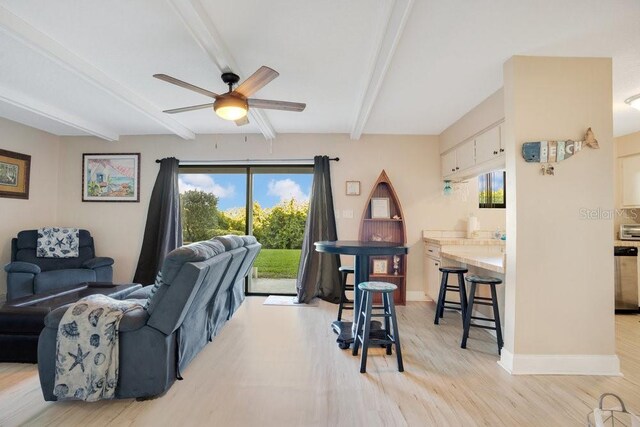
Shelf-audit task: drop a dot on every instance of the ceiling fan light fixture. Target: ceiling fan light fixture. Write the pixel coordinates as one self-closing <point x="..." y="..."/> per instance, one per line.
<point x="634" y="101"/>
<point x="230" y="107"/>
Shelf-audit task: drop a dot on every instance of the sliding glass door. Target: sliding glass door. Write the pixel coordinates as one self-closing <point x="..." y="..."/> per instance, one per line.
<point x="270" y="202"/>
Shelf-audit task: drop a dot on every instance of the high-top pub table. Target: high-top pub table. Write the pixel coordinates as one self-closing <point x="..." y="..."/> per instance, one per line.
<point x="361" y="252"/>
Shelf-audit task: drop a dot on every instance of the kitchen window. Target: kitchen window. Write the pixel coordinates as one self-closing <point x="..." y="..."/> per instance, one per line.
<point x="491" y="190"/>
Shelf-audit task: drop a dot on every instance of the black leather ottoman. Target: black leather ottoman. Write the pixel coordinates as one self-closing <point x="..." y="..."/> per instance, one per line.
<point x="22" y="319"/>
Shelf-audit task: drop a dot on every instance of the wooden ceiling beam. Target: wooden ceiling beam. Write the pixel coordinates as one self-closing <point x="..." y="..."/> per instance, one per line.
<point x="398" y="16"/>
<point x="42" y="109"/>
<point x="22" y="31"/>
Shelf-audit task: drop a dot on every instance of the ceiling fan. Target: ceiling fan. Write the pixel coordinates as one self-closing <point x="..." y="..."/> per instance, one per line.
<point x="235" y="104"/>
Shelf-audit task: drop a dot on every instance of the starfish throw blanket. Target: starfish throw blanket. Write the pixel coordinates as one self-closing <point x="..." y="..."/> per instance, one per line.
<point x="87" y="348"/>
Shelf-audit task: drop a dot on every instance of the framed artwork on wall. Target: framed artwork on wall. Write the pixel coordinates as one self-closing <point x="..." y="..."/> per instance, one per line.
<point x="352" y="188"/>
<point x="14" y="174"/>
<point x="111" y="177"/>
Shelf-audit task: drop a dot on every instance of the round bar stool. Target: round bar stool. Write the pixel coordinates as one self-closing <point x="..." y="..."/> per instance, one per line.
<point x="445" y="287"/>
<point x="492" y="282"/>
<point x="345" y="304"/>
<point x="390" y="335"/>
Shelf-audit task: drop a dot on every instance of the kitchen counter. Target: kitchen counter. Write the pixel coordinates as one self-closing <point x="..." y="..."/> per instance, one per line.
<point x="635" y="243"/>
<point x="462" y="241"/>
<point x="491" y="262"/>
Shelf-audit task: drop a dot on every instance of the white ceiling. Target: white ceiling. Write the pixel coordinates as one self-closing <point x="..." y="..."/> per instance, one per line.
<point x="90" y="69"/>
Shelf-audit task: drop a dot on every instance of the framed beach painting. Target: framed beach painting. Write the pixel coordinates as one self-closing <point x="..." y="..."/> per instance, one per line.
<point x="14" y="174"/>
<point x="111" y="177"/>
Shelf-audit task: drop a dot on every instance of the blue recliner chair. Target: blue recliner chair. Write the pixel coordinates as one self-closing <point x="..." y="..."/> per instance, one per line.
<point x="28" y="275"/>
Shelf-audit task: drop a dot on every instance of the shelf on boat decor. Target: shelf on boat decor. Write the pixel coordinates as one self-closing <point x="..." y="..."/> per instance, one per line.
<point x="388" y="226"/>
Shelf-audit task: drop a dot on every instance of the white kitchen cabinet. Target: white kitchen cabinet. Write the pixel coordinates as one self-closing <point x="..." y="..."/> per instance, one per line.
<point x="455" y="161"/>
<point x="480" y="154"/>
<point x="630" y="176"/>
<point x="488" y="145"/>
<point x="448" y="162"/>
<point x="431" y="273"/>
<point x="465" y="156"/>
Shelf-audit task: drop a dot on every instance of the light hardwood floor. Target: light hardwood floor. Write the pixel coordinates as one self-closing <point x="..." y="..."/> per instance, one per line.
<point x="280" y="366"/>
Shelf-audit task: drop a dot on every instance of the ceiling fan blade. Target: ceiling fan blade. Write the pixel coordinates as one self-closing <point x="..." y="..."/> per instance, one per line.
<point x="191" y="108"/>
<point x="186" y="85"/>
<point x="256" y="81"/>
<point x="243" y="121"/>
<point x="276" y="105"/>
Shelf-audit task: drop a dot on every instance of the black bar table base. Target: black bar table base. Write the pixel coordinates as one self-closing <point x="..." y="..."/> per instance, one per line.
<point x="344" y="329"/>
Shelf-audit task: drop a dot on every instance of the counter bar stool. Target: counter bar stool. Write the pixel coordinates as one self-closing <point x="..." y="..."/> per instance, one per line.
<point x="493" y="302"/>
<point x="368" y="290"/>
<point x="345" y="304"/>
<point x="445" y="286"/>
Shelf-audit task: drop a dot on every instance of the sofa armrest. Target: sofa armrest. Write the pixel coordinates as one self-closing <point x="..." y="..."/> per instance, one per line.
<point x="22" y="267"/>
<point x="97" y="262"/>
<point x="141" y="294"/>
<point x="53" y="319"/>
<point x="131" y="321"/>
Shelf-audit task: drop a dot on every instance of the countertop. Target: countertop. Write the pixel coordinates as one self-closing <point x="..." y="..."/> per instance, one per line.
<point x="635" y="243"/>
<point x="463" y="241"/>
<point x="491" y="262"/>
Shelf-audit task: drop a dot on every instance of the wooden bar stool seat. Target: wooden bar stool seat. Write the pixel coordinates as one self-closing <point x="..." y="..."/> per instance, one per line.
<point x="492" y="282"/>
<point x="390" y="335"/>
<point x="446" y="287"/>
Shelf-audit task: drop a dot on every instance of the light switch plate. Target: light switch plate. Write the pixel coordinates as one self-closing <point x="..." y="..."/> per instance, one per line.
<point x="347" y="213"/>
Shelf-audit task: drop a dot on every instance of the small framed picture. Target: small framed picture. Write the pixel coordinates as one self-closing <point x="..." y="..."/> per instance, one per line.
<point x="111" y="177"/>
<point x="353" y="188"/>
<point x="380" y="207"/>
<point x="380" y="266"/>
<point x="14" y="174"/>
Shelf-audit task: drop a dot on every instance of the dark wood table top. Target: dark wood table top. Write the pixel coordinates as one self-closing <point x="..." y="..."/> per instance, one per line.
<point x="59" y="297"/>
<point x="357" y="247"/>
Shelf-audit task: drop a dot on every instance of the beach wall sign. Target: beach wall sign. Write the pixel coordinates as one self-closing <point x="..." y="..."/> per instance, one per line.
<point x="556" y="151"/>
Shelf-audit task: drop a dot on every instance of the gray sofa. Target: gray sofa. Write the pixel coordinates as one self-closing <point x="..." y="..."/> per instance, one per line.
<point x="28" y="274"/>
<point x="203" y="287"/>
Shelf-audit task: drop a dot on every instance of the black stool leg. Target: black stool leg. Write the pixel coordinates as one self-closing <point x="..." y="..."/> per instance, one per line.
<point x="387" y="322"/>
<point x="366" y="334"/>
<point x="343" y="296"/>
<point x="441" y="297"/>
<point x="396" y="333"/>
<point x="496" y="315"/>
<point x="359" y="323"/>
<point x="467" y="318"/>
<point x="463" y="295"/>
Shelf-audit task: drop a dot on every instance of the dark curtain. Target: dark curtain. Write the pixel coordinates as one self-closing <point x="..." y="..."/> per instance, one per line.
<point x="318" y="272"/>
<point x="163" y="232"/>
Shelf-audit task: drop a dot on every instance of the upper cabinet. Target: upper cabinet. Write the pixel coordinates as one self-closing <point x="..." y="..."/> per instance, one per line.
<point x="630" y="176"/>
<point x="480" y="154"/>
<point x="448" y="162"/>
<point x="461" y="158"/>
<point x="465" y="155"/>
<point x="488" y="145"/>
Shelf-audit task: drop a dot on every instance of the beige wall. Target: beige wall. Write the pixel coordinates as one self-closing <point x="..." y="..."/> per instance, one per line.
<point x="559" y="283"/>
<point x="412" y="163"/>
<point x="41" y="207"/>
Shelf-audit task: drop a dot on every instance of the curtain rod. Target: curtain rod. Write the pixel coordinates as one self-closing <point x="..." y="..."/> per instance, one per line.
<point x="248" y="162"/>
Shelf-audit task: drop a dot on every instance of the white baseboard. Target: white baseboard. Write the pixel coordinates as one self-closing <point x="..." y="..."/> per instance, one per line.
<point x="560" y="364"/>
<point x="417" y="296"/>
